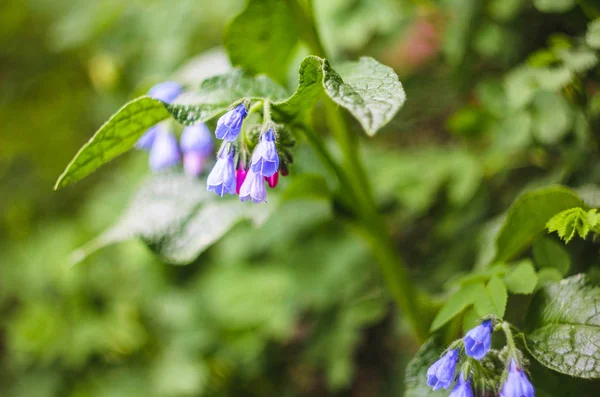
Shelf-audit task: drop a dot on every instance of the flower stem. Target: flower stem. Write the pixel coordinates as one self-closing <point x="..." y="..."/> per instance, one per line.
<point x="510" y="342"/>
<point x="353" y="177"/>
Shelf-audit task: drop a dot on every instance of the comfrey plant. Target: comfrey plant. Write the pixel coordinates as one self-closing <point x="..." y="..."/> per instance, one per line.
<point x="258" y="122"/>
<point x="473" y="378"/>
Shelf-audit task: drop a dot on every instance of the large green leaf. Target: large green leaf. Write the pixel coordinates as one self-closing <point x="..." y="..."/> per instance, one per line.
<point x="310" y="87"/>
<point x="115" y="137"/>
<point x="262" y="38"/>
<point x="564" y="327"/>
<point x="369" y="90"/>
<point x="527" y="217"/>
<point x="178" y="218"/>
<point x="416" y="372"/>
<point x="124" y="128"/>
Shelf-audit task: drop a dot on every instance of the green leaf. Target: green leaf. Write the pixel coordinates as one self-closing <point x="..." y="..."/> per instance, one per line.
<point x="416" y="372"/>
<point x="527" y="217"/>
<point x="471" y="319"/>
<point x="310" y="87"/>
<point x="557" y="6"/>
<point x="369" y="90"/>
<point x="125" y="127"/>
<point x="115" y="137"/>
<point x="592" y="37"/>
<point x="177" y="217"/>
<point x="514" y="131"/>
<point x="499" y="297"/>
<point x="262" y="38"/>
<point x="548" y="274"/>
<point x="578" y="60"/>
<point x="522" y="279"/>
<point x="491" y="299"/>
<point x="564" y="327"/>
<point x="547" y="253"/>
<point x="567" y="222"/>
<point x="459" y="301"/>
<point x="552" y="117"/>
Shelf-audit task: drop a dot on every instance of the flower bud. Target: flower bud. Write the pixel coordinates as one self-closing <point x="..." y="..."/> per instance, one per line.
<point x="221" y="179"/>
<point x="441" y="373"/>
<point x="265" y="160"/>
<point x="253" y="188"/>
<point x="272" y="180"/>
<point x="230" y="124"/>
<point x="479" y="340"/>
<point x="165" y="151"/>
<point x="240" y="177"/>
<point x="166" y="92"/>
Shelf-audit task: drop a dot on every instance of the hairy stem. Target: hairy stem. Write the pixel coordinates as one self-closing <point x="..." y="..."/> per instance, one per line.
<point x="353" y="177"/>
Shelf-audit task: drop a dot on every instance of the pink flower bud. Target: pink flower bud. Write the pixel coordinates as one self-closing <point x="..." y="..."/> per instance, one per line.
<point x="240" y="177"/>
<point x="272" y="180"/>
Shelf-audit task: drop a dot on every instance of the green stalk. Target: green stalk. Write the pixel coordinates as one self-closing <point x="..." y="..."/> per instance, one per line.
<point x="353" y="177"/>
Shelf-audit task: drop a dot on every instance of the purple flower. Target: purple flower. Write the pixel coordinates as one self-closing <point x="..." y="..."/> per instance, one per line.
<point x="196" y="138"/>
<point x="462" y="388"/>
<point x="147" y="140"/>
<point x="165" y="152"/>
<point x="253" y="188"/>
<point x="166" y="92"/>
<point x="265" y="160"/>
<point x="441" y="373"/>
<point x="193" y="163"/>
<point x="196" y="145"/>
<point x="479" y="340"/>
<point x="230" y="124"/>
<point x="517" y="384"/>
<point x="221" y="179"/>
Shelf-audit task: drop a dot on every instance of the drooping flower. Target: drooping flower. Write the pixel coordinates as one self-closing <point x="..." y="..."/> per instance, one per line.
<point x="517" y="384"/>
<point x="166" y="91"/>
<point x="196" y="145"/>
<point x="193" y="163"/>
<point x="147" y="140"/>
<point x="272" y="180"/>
<point x="196" y="138"/>
<point x="221" y="179"/>
<point x="240" y="177"/>
<point x="265" y="160"/>
<point x="165" y="151"/>
<point x="253" y="188"/>
<point x="462" y="388"/>
<point x="230" y="124"/>
<point x="441" y="373"/>
<point x="479" y="340"/>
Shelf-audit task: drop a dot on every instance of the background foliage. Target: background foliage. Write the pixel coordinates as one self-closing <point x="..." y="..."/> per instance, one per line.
<point x="502" y="103"/>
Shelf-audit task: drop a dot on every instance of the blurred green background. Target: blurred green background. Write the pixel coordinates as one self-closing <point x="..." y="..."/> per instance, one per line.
<point x="502" y="95"/>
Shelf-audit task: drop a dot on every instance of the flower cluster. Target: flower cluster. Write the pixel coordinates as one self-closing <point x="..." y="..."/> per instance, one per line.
<point x="195" y="144"/>
<point x="248" y="180"/>
<point x="476" y="344"/>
